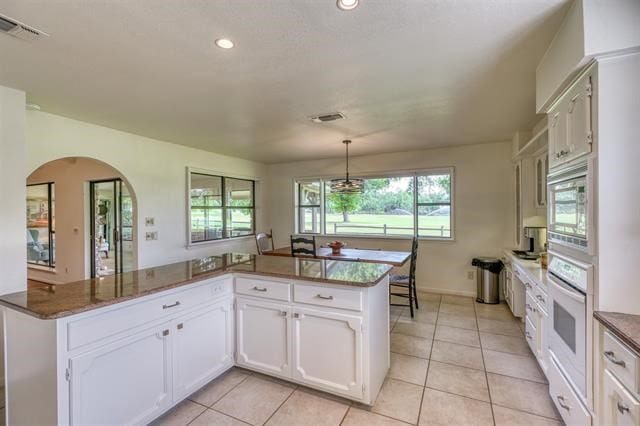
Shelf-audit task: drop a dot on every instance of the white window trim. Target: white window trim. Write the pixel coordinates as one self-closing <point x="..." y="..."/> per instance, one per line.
<point x="217" y="173"/>
<point x="372" y="175"/>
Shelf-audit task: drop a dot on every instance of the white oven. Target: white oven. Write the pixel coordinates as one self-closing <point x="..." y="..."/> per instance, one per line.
<point x="569" y="217"/>
<point x="569" y="282"/>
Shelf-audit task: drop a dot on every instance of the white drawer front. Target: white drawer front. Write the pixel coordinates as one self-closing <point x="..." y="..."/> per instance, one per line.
<point x="90" y="329"/>
<point x="565" y="399"/>
<point x="263" y="288"/>
<point x="620" y="407"/>
<point x="621" y="362"/>
<point x="540" y="297"/>
<point x="530" y="333"/>
<point x="328" y="296"/>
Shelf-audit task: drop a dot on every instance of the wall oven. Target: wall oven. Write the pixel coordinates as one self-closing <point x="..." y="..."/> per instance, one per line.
<point x="569" y="282"/>
<point x="569" y="215"/>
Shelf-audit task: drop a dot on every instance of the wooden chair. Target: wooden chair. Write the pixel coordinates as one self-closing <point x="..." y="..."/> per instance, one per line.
<point x="407" y="281"/>
<point x="264" y="241"/>
<point x="301" y="246"/>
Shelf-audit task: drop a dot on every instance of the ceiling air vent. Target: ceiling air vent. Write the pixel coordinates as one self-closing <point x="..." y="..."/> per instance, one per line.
<point x="19" y="30"/>
<point x="327" y="117"/>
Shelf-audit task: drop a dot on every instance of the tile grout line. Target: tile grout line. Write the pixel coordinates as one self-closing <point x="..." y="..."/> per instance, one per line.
<point x="280" y="406"/>
<point x="426" y="377"/>
<point x="224" y="394"/>
<point x="486" y="375"/>
<point x="529" y="412"/>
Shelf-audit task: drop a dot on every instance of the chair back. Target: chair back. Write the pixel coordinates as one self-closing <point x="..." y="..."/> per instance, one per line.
<point x="302" y="246"/>
<point x="264" y="241"/>
<point x="414" y="260"/>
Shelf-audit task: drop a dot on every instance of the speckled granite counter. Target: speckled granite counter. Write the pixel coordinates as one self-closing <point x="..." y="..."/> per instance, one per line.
<point x="81" y="296"/>
<point x="625" y="326"/>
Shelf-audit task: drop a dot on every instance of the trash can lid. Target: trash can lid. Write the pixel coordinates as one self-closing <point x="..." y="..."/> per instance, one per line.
<point x="493" y="264"/>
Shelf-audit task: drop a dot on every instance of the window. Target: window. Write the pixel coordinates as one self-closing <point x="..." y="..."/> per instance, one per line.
<point x="309" y="207"/>
<point x="41" y="224"/>
<point x="220" y="207"/>
<point x="397" y="205"/>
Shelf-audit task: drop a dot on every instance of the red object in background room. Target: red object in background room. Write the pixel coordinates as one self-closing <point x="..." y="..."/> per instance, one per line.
<point x="335" y="247"/>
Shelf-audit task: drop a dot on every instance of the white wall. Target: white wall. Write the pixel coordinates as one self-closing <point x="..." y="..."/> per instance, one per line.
<point x="156" y="171"/>
<point x="13" y="249"/>
<point x="483" y="207"/>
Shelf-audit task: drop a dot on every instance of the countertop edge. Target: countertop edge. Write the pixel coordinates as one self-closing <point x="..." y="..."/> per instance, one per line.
<point x="212" y="274"/>
<point x="604" y="318"/>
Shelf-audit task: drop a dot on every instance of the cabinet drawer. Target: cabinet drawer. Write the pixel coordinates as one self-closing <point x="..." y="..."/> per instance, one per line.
<point x="263" y="288"/>
<point x="328" y="296"/>
<point x="90" y="329"/>
<point x="621" y="362"/>
<point x="566" y="400"/>
<point x="531" y="307"/>
<point x="620" y="407"/>
<point x="530" y="333"/>
<point x="541" y="297"/>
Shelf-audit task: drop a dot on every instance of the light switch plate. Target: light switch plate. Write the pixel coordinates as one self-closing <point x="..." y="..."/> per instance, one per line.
<point x="149" y="236"/>
<point x="149" y="221"/>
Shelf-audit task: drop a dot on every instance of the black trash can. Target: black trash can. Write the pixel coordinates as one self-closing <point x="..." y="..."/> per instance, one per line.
<point x="488" y="279"/>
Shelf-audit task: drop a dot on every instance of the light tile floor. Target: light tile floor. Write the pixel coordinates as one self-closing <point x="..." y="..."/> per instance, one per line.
<point x="456" y="363"/>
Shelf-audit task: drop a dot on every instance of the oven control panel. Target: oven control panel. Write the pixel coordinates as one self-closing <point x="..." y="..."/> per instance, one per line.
<point x="572" y="273"/>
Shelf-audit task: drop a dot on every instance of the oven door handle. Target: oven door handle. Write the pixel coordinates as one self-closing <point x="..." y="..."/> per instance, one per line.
<point x="569" y="292"/>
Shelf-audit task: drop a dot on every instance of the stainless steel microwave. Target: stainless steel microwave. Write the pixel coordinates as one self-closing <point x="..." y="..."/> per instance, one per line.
<point x="568" y="202"/>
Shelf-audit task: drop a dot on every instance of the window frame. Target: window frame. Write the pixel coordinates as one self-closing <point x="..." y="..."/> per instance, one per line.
<point x="50" y="229"/>
<point x="299" y="206"/>
<point x="224" y="208"/>
<point x="450" y="170"/>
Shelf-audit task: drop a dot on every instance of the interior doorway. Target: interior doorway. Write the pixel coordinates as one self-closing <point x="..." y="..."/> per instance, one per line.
<point x="111" y="227"/>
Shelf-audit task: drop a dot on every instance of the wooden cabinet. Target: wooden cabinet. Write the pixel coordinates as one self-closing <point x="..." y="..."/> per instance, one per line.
<point x="203" y="343"/>
<point x="263" y="336"/>
<point x="127" y="382"/>
<point x="327" y="351"/>
<point x="570" y="123"/>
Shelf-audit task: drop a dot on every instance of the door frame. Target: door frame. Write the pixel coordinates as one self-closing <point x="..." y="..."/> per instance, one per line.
<point x="117" y="219"/>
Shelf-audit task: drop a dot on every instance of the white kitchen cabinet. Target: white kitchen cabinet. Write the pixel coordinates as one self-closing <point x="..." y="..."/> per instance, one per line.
<point x="517" y="175"/>
<point x="541" y="170"/>
<point x="620" y="407"/>
<point x="127" y="381"/>
<point x="327" y="351"/>
<point x="570" y="123"/>
<point x="263" y="336"/>
<point x="536" y="316"/>
<point x="203" y="343"/>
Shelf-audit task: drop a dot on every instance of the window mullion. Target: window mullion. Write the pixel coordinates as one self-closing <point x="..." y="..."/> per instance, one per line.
<point x="415" y="206"/>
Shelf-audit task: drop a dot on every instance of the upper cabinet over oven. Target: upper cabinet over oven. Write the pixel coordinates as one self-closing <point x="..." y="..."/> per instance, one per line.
<point x="570" y="123"/>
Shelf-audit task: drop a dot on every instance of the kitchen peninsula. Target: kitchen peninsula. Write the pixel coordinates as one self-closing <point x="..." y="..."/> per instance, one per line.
<point x="124" y="349"/>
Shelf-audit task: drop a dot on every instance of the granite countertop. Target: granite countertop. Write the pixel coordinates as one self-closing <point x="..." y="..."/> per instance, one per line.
<point x="62" y="300"/>
<point x="625" y="326"/>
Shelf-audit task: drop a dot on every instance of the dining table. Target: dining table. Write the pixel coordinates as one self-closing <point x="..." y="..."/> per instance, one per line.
<point x="389" y="257"/>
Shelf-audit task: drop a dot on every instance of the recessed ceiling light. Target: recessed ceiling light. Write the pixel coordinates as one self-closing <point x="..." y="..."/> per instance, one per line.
<point x="347" y="4"/>
<point x="224" y="43"/>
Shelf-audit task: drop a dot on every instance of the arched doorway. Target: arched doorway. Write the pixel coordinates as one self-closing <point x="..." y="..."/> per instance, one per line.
<point x="91" y="214"/>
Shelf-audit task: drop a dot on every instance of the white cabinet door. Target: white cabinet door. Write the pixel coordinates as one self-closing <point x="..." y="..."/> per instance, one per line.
<point x="619" y="406"/>
<point x="262" y="339"/>
<point x="578" y="109"/>
<point x="327" y="351"/>
<point x="558" y="147"/>
<point x="202" y="347"/>
<point x="125" y="382"/>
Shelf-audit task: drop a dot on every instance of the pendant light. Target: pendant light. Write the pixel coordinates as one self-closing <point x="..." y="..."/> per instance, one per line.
<point x="347" y="185"/>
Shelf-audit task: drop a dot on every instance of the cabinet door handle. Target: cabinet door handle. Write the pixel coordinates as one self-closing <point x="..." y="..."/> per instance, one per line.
<point x="319" y="296"/>
<point x="165" y="332"/>
<point x="612" y="357"/>
<point x="283" y="313"/>
<point x="622" y="408"/>
<point x="296" y="315"/>
<point x="560" y="399"/>
<point x="173" y="305"/>
<point x="180" y="326"/>
<point x="530" y="308"/>
<point x="528" y="335"/>
<point x="540" y="298"/>
<point x="256" y="288"/>
<point x="527" y="285"/>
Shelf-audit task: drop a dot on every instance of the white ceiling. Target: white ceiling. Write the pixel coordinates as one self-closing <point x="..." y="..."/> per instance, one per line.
<point x="408" y="74"/>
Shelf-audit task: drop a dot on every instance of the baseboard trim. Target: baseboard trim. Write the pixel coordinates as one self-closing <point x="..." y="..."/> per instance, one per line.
<point x="446" y="291"/>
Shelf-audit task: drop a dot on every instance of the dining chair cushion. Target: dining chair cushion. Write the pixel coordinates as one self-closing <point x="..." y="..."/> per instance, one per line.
<point x="399" y="280"/>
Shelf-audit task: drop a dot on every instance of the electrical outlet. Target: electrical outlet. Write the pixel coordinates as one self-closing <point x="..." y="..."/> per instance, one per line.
<point x="471" y="275"/>
<point x="149" y="221"/>
<point x="149" y="236"/>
